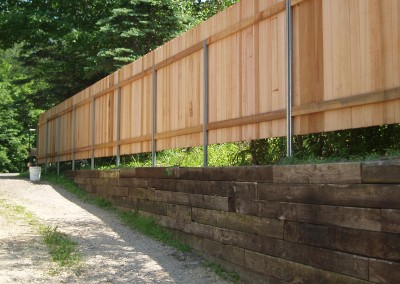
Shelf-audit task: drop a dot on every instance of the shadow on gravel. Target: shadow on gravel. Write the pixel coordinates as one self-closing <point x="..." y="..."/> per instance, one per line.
<point x="10" y="176"/>
<point x="23" y="255"/>
<point x="134" y="247"/>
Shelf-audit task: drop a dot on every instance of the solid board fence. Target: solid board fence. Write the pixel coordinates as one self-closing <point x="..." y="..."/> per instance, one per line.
<point x="225" y="81"/>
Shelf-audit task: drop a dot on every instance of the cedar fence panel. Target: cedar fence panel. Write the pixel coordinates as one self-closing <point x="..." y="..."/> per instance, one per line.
<point x="346" y="74"/>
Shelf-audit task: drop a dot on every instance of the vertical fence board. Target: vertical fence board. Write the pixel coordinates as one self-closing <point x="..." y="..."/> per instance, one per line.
<point x="342" y="49"/>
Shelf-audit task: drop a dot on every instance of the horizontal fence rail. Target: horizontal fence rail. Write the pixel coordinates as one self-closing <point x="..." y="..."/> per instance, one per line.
<point x="226" y="81"/>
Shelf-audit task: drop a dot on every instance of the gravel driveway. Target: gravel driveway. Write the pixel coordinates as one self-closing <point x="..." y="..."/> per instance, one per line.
<point x="112" y="253"/>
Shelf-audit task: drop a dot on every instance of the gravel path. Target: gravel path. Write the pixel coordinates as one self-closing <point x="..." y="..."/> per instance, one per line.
<point x="112" y="253"/>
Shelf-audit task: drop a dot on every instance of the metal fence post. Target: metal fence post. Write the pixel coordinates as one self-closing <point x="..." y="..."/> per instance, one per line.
<point x="46" y="150"/>
<point x="73" y="136"/>
<point x="37" y="144"/>
<point x="205" y="104"/>
<point x="58" y="143"/>
<point x="154" y="109"/>
<point x="93" y="129"/>
<point x="289" y="126"/>
<point x="118" y="159"/>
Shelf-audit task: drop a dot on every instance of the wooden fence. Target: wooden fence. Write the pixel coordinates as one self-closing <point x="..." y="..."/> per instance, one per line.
<point x="225" y="80"/>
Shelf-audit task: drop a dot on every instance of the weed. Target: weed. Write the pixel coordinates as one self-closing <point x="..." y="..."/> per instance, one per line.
<point x="149" y="227"/>
<point x="67" y="185"/>
<point x="230" y="276"/>
<point x="20" y="213"/>
<point x="103" y="203"/>
<point x="24" y="175"/>
<point x="61" y="248"/>
<point x="146" y="225"/>
<point x="169" y="172"/>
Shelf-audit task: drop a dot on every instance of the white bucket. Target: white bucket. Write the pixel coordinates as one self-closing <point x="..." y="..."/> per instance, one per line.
<point x="34" y="173"/>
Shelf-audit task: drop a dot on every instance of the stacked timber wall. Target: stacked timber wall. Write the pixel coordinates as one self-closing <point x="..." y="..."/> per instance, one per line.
<point x="225" y="81"/>
<point x="327" y="223"/>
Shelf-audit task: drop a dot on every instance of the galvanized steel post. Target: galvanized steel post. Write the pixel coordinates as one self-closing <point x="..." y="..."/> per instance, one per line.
<point x="37" y="143"/>
<point x="58" y="143"/>
<point x="118" y="159"/>
<point x="46" y="150"/>
<point x="289" y="127"/>
<point x="153" y="128"/>
<point x="93" y="129"/>
<point x="205" y="104"/>
<point x="73" y="136"/>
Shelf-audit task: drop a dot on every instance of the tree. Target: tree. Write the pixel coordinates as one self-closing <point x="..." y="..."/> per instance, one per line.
<point x="72" y="44"/>
<point x="17" y="113"/>
<point x="202" y="10"/>
<point x="52" y="49"/>
<point x="56" y="37"/>
<point x="133" y="29"/>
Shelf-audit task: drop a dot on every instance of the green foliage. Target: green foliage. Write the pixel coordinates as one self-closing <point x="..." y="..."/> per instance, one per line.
<point x="61" y="248"/>
<point x="203" y="10"/>
<point x="55" y="49"/>
<point x="354" y="144"/>
<point x="133" y="29"/>
<point x="68" y="45"/>
<point x="261" y="152"/>
<point x="218" y="155"/>
<point x="145" y="225"/>
<point x="56" y="39"/>
<point x="381" y="142"/>
<point x="230" y="276"/>
<point x="69" y="186"/>
<point x="103" y="203"/>
<point x="17" y="114"/>
<point x="150" y="228"/>
<point x="19" y="212"/>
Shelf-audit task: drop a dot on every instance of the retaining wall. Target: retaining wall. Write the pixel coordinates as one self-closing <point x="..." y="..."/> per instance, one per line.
<point x="331" y="223"/>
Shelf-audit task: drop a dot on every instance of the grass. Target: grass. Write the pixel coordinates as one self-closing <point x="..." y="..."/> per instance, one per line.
<point x="145" y="225"/>
<point x="230" y="276"/>
<point x="61" y="248"/>
<point x="20" y="213"/>
<point x="218" y="155"/>
<point x="310" y="159"/>
<point x="69" y="186"/>
<point x="150" y="228"/>
<point x="238" y="154"/>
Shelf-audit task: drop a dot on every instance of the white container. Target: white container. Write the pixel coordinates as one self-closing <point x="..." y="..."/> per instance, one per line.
<point x="34" y="173"/>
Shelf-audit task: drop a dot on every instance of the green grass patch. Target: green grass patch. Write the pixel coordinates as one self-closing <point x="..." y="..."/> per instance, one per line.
<point x="229" y="276"/>
<point x="68" y="185"/>
<point x="145" y="225"/>
<point x="61" y="248"/>
<point x="103" y="203"/>
<point x="24" y="174"/>
<point x="20" y="213"/>
<point x="149" y="227"/>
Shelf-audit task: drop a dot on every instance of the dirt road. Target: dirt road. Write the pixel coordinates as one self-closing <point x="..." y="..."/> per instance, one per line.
<point x="112" y="253"/>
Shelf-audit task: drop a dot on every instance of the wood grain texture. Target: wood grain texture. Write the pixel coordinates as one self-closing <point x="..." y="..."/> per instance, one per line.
<point x="293" y="272"/>
<point x="381" y="172"/>
<point x="354" y="195"/>
<point x="299" y="232"/>
<point x="346" y="72"/>
<point x="384" y="271"/>
<point x="348" y="217"/>
<point x="360" y="242"/>
<point x="248" y="224"/>
<point x="318" y="173"/>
